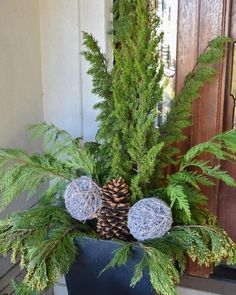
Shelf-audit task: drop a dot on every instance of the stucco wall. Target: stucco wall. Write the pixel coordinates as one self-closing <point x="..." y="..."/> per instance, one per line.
<point x="20" y="74"/>
<point x="95" y="18"/>
<point x="67" y="98"/>
<point x="20" y="88"/>
<point x="60" y="51"/>
<point x="20" y="70"/>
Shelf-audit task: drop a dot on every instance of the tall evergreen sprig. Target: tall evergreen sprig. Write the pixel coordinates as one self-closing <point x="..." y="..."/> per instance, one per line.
<point x="135" y="149"/>
<point x="123" y="15"/>
<point x="127" y="112"/>
<point x="102" y="86"/>
<point x="136" y="90"/>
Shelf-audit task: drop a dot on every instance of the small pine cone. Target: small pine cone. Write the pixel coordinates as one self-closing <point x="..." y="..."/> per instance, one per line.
<point x="112" y="221"/>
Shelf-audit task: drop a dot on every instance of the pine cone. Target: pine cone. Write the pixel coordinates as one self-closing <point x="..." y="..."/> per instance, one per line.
<point x="112" y="221"/>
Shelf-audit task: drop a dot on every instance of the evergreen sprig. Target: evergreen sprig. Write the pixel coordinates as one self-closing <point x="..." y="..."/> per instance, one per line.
<point x="56" y="142"/>
<point x="129" y="94"/>
<point x="222" y="146"/>
<point x="205" y="243"/>
<point x="120" y="258"/>
<point x="184" y="186"/>
<point x="181" y="107"/>
<point x="134" y="148"/>
<point x="22" y="289"/>
<point x="102" y="86"/>
<point x="130" y="146"/>
<point x="168" y="276"/>
<point x="179" y="116"/>
<point x="63" y="147"/>
<point x="64" y="160"/>
<point x="40" y="237"/>
<point x="21" y="172"/>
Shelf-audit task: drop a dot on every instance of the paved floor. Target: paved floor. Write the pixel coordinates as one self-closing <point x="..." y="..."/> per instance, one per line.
<point x="220" y="287"/>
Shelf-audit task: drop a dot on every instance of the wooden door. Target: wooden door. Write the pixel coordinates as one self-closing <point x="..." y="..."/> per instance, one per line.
<point x="226" y="202"/>
<point x="199" y="21"/>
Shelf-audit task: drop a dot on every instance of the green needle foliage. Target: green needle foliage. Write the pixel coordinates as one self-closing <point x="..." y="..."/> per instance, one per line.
<point x="40" y="237"/>
<point x="128" y="145"/>
<point x="128" y="108"/>
<point x="165" y="258"/>
<point x="60" y="145"/>
<point x="120" y="258"/>
<point x="22" y="172"/>
<point x="64" y="159"/>
<point x="181" y="109"/>
<point x="130" y="93"/>
<point x="22" y="289"/>
<point x="183" y="188"/>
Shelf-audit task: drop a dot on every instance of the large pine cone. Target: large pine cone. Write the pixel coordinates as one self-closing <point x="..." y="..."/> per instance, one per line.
<point x="112" y="220"/>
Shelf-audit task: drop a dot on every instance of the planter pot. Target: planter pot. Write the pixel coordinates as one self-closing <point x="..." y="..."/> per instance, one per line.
<point x="83" y="277"/>
<point x="194" y="270"/>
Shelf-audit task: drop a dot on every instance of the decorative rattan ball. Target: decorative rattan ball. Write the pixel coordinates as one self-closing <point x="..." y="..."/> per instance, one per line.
<point x="149" y="218"/>
<point x="83" y="198"/>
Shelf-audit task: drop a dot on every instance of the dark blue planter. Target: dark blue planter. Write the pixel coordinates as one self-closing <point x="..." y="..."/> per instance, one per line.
<point x="83" y="277"/>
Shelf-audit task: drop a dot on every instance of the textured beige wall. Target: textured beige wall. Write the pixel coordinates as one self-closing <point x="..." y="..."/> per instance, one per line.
<point x="60" y="54"/>
<point x="20" y="89"/>
<point x="95" y="17"/>
<point x="20" y="70"/>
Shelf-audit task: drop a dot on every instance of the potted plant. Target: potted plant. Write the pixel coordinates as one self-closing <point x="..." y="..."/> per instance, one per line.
<point x="111" y="202"/>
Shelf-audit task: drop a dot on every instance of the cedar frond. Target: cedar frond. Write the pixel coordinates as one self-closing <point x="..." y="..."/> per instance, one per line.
<point x="41" y="236"/>
<point x="22" y="172"/>
<point x="181" y="107"/>
<point x="121" y="256"/>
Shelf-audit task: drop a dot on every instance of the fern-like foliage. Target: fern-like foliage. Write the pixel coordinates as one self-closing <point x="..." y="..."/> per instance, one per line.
<point x="165" y="258"/>
<point x="179" y="116"/>
<point x="63" y="147"/>
<point x="41" y="237"/>
<point x="21" y="172"/>
<point x="167" y="277"/>
<point x="56" y="142"/>
<point x="63" y="160"/>
<point x="222" y="146"/>
<point x="22" y="289"/>
<point x="181" y="108"/>
<point x="183" y="190"/>
<point x="120" y="258"/>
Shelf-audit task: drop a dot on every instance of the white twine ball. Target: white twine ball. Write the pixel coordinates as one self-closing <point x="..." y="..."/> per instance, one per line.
<point x="83" y="198"/>
<point x="149" y="218"/>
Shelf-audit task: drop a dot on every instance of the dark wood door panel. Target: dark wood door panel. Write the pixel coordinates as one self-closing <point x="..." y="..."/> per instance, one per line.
<point x="208" y="110"/>
<point x="227" y="195"/>
<point x="187" y="39"/>
<point x="199" y="21"/>
<point x="187" y="48"/>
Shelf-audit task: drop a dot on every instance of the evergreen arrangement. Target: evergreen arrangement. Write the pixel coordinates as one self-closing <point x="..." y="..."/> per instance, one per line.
<point x="130" y="153"/>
